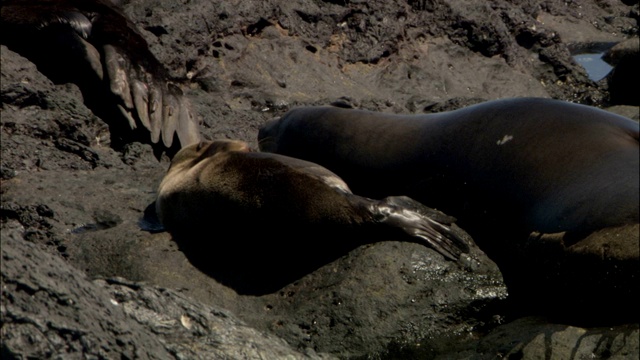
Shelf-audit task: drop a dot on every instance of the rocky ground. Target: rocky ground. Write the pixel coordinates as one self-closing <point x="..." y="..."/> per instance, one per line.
<point x="80" y="277"/>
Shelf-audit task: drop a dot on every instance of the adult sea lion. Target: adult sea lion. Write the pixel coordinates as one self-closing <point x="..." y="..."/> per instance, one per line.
<point x="222" y="182"/>
<point x="512" y="171"/>
<point x="546" y="165"/>
<point x="93" y="44"/>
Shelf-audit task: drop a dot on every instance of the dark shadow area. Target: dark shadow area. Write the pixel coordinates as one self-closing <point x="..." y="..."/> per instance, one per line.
<point x="253" y="258"/>
<point x="254" y="265"/>
<point x="580" y="288"/>
<point x="150" y="221"/>
<point x="623" y="81"/>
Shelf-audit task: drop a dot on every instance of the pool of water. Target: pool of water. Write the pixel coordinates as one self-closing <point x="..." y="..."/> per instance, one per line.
<point x="596" y="68"/>
<point x="590" y="57"/>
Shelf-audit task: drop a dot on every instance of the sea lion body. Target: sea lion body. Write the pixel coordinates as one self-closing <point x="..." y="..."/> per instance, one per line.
<point x="526" y="164"/>
<point x="548" y="189"/>
<point x="222" y="182"/>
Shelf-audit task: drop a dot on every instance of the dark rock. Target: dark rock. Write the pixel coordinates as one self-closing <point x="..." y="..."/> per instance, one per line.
<point x="624" y="78"/>
<point x="632" y="112"/>
<point x="530" y="338"/>
<point x="534" y="338"/>
<point x="81" y="318"/>
<point x="113" y="318"/>
<point x="615" y="54"/>
<point x="598" y="271"/>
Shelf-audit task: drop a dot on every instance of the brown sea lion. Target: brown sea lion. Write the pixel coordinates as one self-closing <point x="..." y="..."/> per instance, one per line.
<point x="93" y="44"/>
<point x="223" y="182"/>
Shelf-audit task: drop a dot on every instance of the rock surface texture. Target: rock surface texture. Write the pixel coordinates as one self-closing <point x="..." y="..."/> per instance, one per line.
<point x="80" y="277"/>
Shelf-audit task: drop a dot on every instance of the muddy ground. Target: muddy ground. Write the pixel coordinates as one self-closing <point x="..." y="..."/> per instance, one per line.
<point x="71" y="202"/>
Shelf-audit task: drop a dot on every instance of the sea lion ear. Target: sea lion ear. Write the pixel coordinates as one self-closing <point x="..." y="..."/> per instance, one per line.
<point x="188" y="126"/>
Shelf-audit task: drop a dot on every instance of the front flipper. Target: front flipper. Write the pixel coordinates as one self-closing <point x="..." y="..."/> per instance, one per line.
<point x="412" y="217"/>
<point x="93" y="44"/>
<point x="150" y="221"/>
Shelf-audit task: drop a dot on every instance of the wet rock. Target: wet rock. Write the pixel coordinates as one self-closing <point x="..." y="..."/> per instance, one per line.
<point x="389" y="292"/>
<point x="632" y="112"/>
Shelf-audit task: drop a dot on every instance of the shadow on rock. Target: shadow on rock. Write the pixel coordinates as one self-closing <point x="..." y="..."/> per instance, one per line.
<point x="533" y="337"/>
<point x="591" y="281"/>
<point x="252" y="258"/>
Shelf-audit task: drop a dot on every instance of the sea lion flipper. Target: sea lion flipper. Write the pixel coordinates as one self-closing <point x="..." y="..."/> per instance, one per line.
<point x="91" y="56"/>
<point x="150" y="221"/>
<point x="127" y="115"/>
<point x="407" y="202"/>
<point x="155" y="112"/>
<point x="418" y="225"/>
<point x="188" y="126"/>
<point x="453" y="242"/>
<point x="72" y="17"/>
<point x="140" y="92"/>
<point x="135" y="82"/>
<point x="20" y="15"/>
<point x="93" y="43"/>
<point x="117" y="69"/>
<point x="170" y="111"/>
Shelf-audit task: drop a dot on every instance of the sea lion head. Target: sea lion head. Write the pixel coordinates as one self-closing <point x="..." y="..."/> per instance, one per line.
<point x="195" y="153"/>
<point x="192" y="168"/>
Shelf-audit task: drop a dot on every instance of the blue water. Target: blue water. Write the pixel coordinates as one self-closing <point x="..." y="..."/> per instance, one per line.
<point x="594" y="65"/>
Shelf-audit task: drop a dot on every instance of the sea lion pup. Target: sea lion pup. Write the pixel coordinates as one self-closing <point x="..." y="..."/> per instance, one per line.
<point x="533" y="181"/>
<point x="93" y="44"/>
<point x="222" y="181"/>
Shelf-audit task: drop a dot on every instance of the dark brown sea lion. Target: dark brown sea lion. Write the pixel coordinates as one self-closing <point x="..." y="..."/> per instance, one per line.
<point x="512" y="171"/>
<point x="94" y="44"/>
<point x="222" y="182"/>
<point x="546" y="165"/>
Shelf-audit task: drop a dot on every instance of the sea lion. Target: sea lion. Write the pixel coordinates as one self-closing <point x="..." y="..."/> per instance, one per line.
<point x="93" y="44"/>
<point x="222" y="181"/>
<point x="543" y="165"/>
<point x="528" y="178"/>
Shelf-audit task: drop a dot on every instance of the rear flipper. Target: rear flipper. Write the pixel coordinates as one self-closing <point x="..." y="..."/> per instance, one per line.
<point x="421" y="223"/>
<point x="150" y="221"/>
